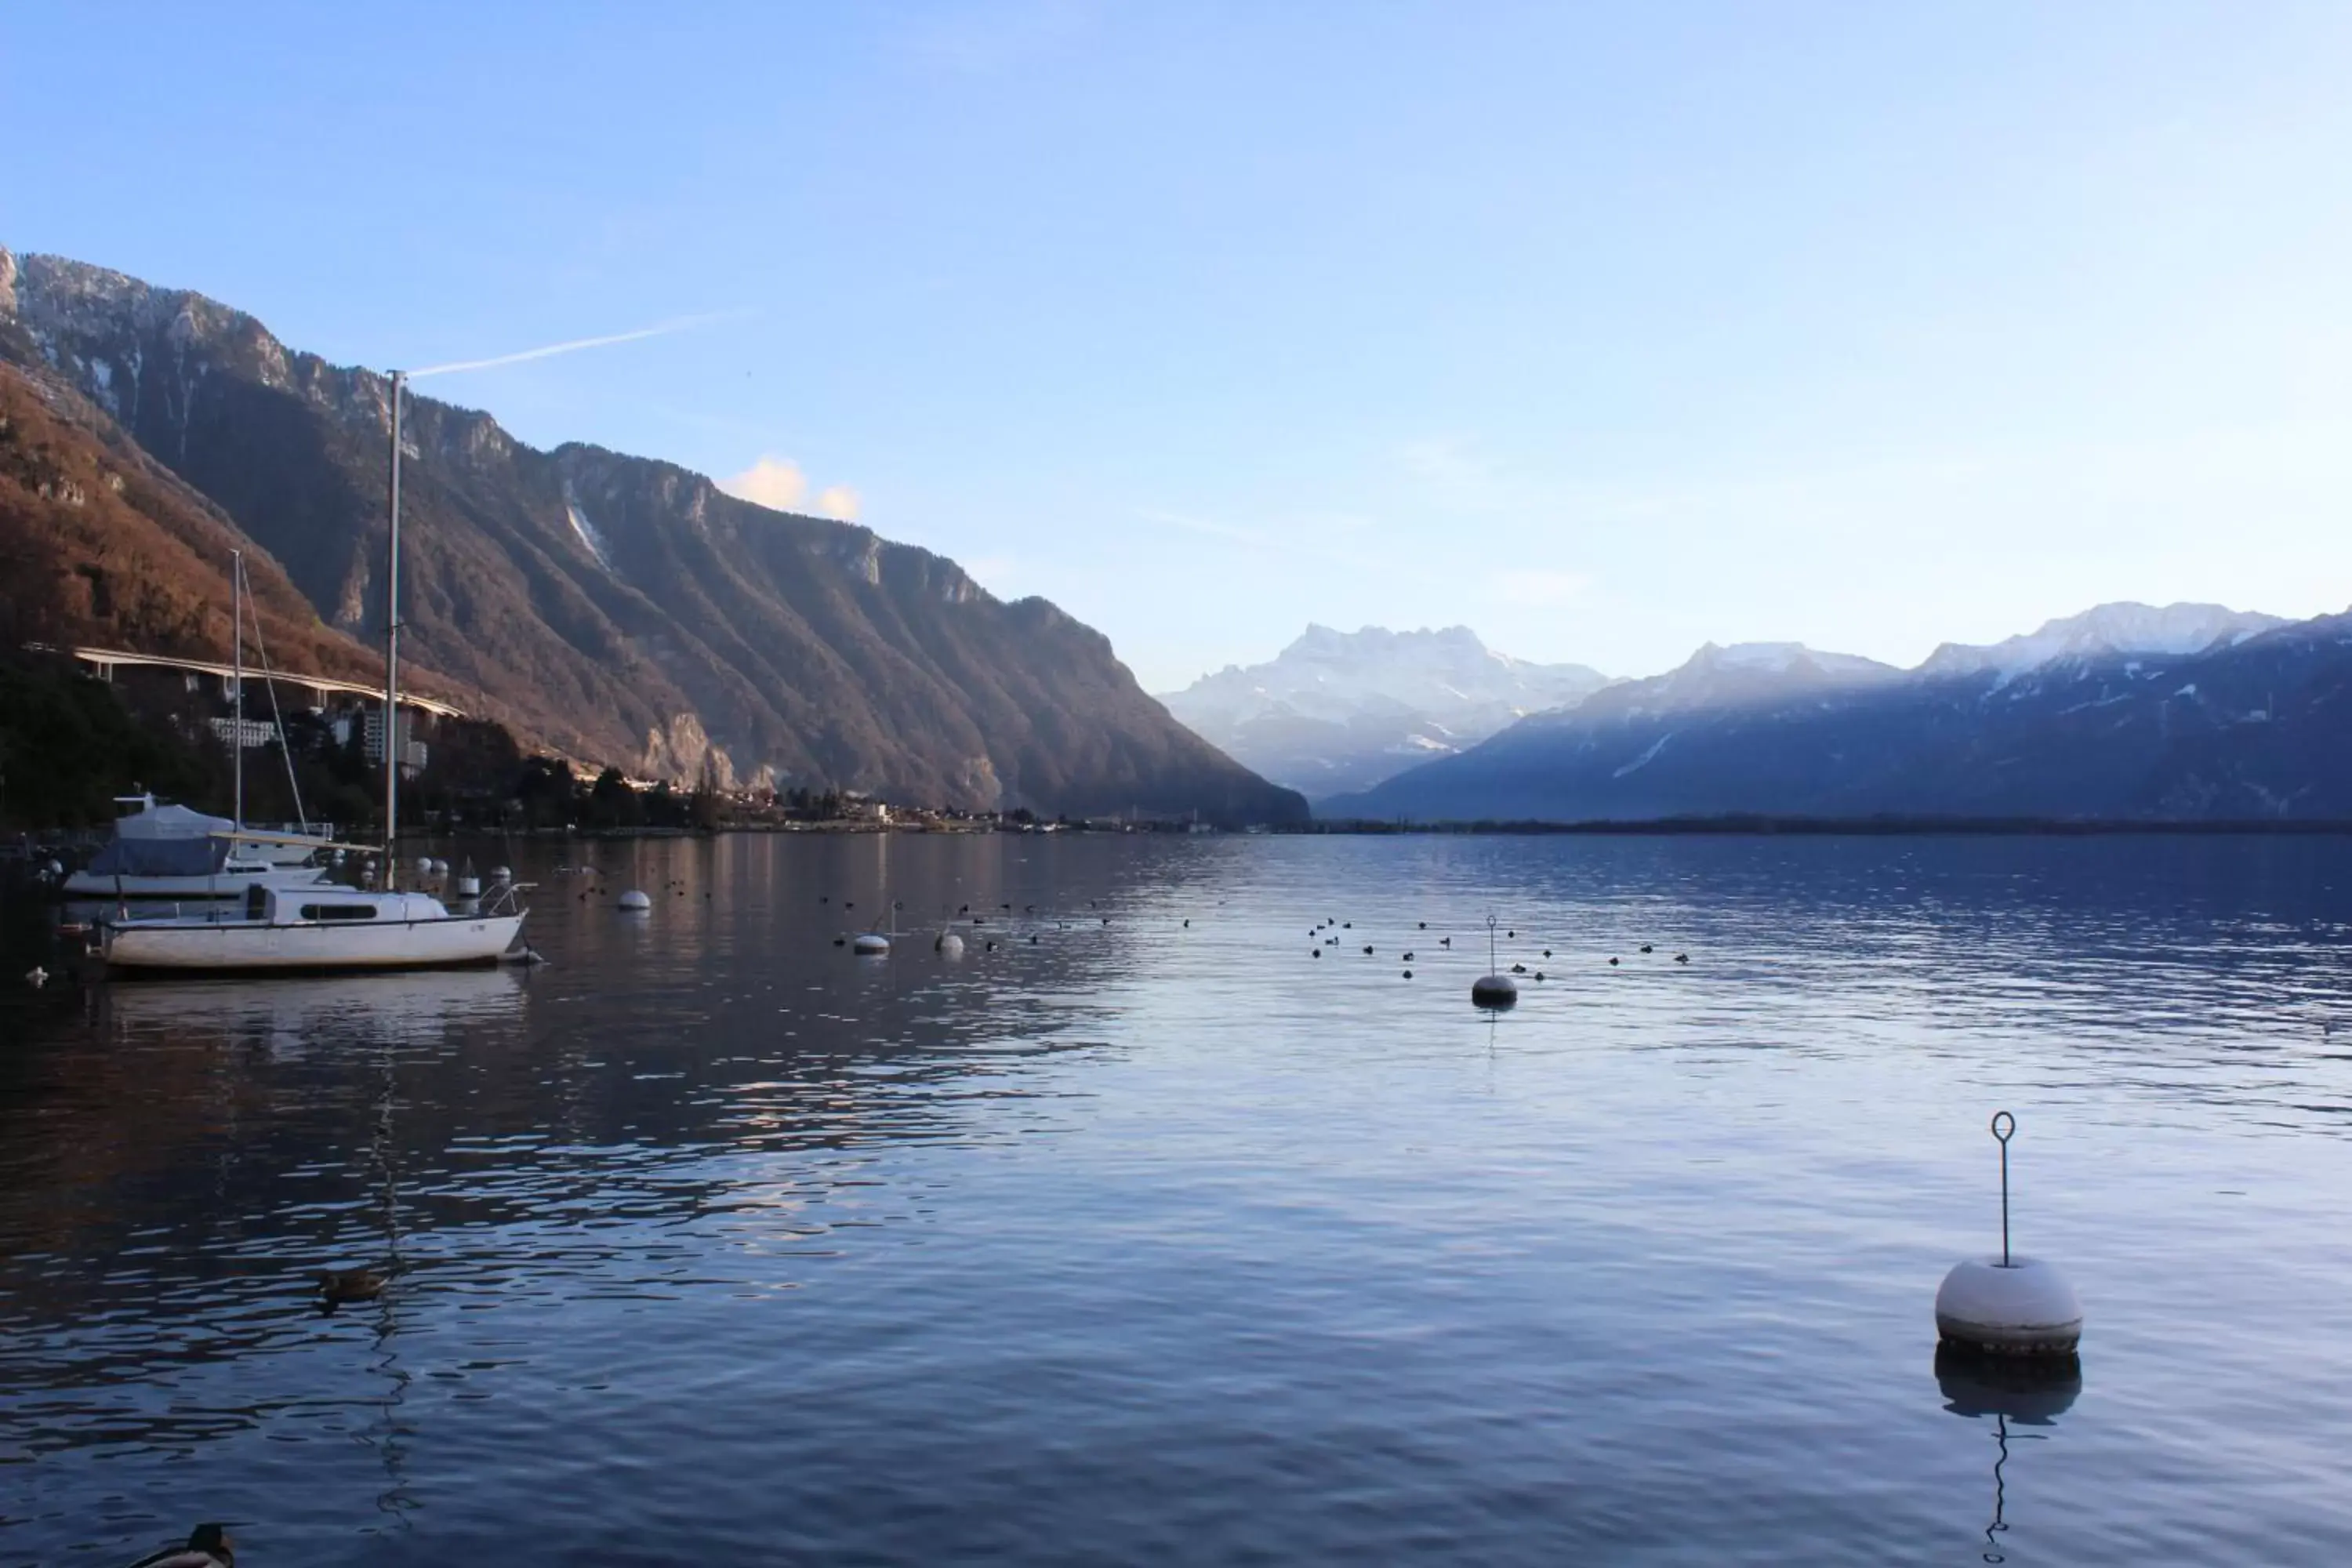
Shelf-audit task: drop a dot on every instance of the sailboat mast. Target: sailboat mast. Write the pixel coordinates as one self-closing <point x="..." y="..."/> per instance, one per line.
<point x="392" y="657"/>
<point x="237" y="677"/>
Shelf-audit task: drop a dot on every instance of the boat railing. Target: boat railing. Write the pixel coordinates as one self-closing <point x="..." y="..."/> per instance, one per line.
<point x="505" y="898"/>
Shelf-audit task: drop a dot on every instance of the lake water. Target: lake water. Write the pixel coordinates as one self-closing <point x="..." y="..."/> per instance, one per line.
<point x="1155" y="1242"/>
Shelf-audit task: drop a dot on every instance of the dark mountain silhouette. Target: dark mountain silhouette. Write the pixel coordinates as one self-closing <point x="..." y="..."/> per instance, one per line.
<point x="2255" y="725"/>
<point x="619" y="607"/>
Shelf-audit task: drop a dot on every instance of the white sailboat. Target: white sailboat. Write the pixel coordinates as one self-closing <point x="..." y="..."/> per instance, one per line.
<point x="172" y="852"/>
<point x="327" y="926"/>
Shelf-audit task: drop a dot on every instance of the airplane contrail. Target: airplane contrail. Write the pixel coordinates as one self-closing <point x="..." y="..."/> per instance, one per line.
<point x="657" y="330"/>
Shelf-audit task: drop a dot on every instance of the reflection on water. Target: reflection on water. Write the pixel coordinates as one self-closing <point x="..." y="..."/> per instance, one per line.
<point x="1142" y="1234"/>
<point x="297" y="1011"/>
<point x="2030" y="1391"/>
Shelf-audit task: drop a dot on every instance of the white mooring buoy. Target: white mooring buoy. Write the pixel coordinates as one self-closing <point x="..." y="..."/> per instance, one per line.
<point x="2009" y="1305"/>
<point x="949" y="945"/>
<point x="1493" y="990"/>
<point x="635" y="901"/>
<point x="870" y="944"/>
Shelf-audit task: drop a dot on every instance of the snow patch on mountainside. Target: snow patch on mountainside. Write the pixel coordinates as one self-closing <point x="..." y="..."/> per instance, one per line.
<point x="2104" y="631"/>
<point x="589" y="537"/>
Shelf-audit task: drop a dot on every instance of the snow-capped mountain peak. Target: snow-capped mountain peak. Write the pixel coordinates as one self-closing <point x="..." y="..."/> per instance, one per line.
<point x="2103" y="631"/>
<point x="1344" y="710"/>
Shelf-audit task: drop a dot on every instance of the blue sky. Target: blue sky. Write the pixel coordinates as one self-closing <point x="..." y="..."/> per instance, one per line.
<point x="1605" y="331"/>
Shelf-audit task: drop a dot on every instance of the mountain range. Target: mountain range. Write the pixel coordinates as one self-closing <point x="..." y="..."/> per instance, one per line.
<point x="617" y="608"/>
<point x="2187" y="712"/>
<point x="1340" y="711"/>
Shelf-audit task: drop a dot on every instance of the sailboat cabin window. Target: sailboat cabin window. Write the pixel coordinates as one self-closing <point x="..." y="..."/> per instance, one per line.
<point x="339" y="911"/>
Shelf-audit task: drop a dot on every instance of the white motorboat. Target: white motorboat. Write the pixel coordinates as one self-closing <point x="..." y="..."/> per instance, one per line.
<point x="328" y="927"/>
<point x="325" y="925"/>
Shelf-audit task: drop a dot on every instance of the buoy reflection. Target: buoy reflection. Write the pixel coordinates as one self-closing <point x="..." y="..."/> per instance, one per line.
<point x="2026" y="1391"/>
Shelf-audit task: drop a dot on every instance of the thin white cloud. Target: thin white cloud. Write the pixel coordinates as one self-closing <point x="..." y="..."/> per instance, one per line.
<point x="776" y="483"/>
<point x="660" y="328"/>
<point x="839" y="502"/>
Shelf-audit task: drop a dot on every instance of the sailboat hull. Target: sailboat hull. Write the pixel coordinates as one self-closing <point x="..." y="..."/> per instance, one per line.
<point x="254" y="945"/>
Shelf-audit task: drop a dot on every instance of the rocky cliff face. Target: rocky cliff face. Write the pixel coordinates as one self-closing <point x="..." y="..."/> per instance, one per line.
<point x="2225" y="720"/>
<point x="623" y="608"/>
<point x="100" y="545"/>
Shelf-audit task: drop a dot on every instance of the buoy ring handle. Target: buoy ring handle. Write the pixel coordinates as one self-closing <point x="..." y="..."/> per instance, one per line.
<point x="2004" y="1127"/>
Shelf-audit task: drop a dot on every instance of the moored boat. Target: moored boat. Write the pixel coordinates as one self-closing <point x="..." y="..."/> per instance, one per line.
<point x="183" y="869"/>
<point x="323" y="925"/>
<point x="317" y="928"/>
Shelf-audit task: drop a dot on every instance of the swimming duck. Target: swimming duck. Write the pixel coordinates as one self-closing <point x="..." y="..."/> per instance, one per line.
<point x="208" y="1547"/>
<point x="343" y="1285"/>
<point x="1682" y="958"/>
<point x="37" y="977"/>
<point x="1645" y="947"/>
<point x="1613" y="963"/>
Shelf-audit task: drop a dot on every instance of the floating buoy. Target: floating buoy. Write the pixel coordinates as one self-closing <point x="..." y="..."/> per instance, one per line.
<point x="635" y="902"/>
<point x="2008" y="1305"/>
<point x="949" y="945"/>
<point x="870" y="944"/>
<point x="1493" y="991"/>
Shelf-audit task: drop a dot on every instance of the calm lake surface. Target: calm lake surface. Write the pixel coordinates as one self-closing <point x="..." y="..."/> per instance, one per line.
<point x="1149" y="1242"/>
